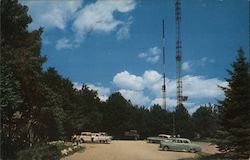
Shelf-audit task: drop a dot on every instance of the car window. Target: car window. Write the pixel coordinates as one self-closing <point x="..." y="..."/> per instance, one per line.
<point x="185" y="141"/>
<point x="179" y="141"/>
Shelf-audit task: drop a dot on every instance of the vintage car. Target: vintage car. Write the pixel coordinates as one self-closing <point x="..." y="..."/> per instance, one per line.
<point x="101" y="137"/>
<point x="131" y="135"/>
<point x="158" y="139"/>
<point x="179" y="144"/>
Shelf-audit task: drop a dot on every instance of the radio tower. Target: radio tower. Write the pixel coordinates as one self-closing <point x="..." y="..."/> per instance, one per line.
<point x="164" y="67"/>
<point x="179" y="96"/>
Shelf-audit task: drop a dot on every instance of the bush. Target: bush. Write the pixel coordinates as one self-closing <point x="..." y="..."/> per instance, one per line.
<point x="40" y="152"/>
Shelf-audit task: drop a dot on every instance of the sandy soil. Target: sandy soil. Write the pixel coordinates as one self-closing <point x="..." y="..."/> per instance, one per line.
<point x="132" y="150"/>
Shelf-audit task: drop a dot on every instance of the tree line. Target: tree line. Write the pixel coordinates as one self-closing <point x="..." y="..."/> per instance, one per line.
<point x="39" y="105"/>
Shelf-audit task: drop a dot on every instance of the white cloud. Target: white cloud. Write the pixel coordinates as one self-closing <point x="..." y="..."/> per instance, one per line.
<point x="170" y="102"/>
<point x="128" y="81"/>
<point x="199" y="87"/>
<point x="186" y="66"/>
<point x="151" y="76"/>
<point x="204" y="61"/>
<point x="99" y="16"/>
<point x="145" y="89"/>
<point x="96" y="17"/>
<point x="148" y="86"/>
<point x="192" y="109"/>
<point x="63" y="43"/>
<point x="123" y="32"/>
<point x="77" y="85"/>
<point x="152" y="55"/>
<point x="136" y="97"/>
<point x="51" y="14"/>
<point x="103" y="92"/>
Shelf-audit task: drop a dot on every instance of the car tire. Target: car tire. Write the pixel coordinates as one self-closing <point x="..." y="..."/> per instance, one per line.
<point x="192" y="150"/>
<point x="166" y="148"/>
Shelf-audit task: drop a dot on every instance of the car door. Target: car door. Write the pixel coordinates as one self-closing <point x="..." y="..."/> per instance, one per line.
<point x="185" y="145"/>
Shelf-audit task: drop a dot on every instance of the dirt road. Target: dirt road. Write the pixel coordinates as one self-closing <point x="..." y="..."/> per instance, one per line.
<point x="129" y="150"/>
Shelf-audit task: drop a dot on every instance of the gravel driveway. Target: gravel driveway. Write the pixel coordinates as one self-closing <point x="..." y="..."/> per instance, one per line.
<point x="130" y="150"/>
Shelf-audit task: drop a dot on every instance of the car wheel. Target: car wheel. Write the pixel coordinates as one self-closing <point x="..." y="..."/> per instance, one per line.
<point x="166" y="148"/>
<point x="192" y="150"/>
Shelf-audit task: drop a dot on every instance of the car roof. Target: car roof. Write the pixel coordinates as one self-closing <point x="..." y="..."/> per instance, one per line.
<point x="180" y="139"/>
<point x="164" y="135"/>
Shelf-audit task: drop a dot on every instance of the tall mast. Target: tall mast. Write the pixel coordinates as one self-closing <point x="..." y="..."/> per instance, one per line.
<point x="164" y="105"/>
<point x="178" y="53"/>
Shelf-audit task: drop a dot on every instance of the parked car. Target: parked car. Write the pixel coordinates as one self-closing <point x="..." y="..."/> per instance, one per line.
<point x="101" y="137"/>
<point x="179" y="144"/>
<point x="131" y="135"/>
<point x="158" y="139"/>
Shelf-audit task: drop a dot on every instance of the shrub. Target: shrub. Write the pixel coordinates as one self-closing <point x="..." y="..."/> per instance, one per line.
<point x="40" y="152"/>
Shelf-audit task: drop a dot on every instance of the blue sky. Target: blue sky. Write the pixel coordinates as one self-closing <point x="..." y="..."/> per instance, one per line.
<point x="115" y="45"/>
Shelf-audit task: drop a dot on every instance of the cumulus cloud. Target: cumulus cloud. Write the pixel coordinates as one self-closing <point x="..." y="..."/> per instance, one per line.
<point x="147" y="87"/>
<point x="170" y="102"/>
<point x="99" y="16"/>
<point x="151" y="55"/>
<point x="128" y="81"/>
<point x="63" y="43"/>
<point x="199" y="87"/>
<point x="136" y="97"/>
<point x="51" y="14"/>
<point x="103" y="92"/>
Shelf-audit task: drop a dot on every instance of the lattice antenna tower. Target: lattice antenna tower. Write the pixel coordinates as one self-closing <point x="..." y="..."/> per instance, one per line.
<point x="164" y="104"/>
<point x="178" y="53"/>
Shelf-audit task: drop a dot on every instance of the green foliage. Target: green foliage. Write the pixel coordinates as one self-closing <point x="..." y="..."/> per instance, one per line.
<point x="39" y="106"/>
<point x="11" y="118"/>
<point x="40" y="152"/>
<point x="204" y="121"/>
<point x="183" y="125"/>
<point x="117" y="115"/>
<point x="160" y="121"/>
<point x="234" y="110"/>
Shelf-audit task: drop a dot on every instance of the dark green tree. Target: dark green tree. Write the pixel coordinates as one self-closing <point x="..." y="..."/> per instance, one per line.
<point x="11" y="120"/>
<point x="160" y="121"/>
<point x="87" y="115"/>
<point x="183" y="125"/>
<point x="117" y="115"/>
<point x="28" y="104"/>
<point x="63" y="95"/>
<point x="204" y="121"/>
<point x="234" y="111"/>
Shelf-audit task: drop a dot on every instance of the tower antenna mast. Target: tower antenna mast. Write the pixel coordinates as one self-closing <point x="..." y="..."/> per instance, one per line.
<point x="179" y="96"/>
<point x="164" y="105"/>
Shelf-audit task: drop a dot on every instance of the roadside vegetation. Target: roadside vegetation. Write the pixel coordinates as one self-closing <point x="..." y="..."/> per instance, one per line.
<point x="39" y="105"/>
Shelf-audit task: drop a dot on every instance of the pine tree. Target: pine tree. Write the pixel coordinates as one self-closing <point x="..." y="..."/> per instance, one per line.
<point x="204" y="120"/>
<point x="183" y="125"/>
<point x="234" y="111"/>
